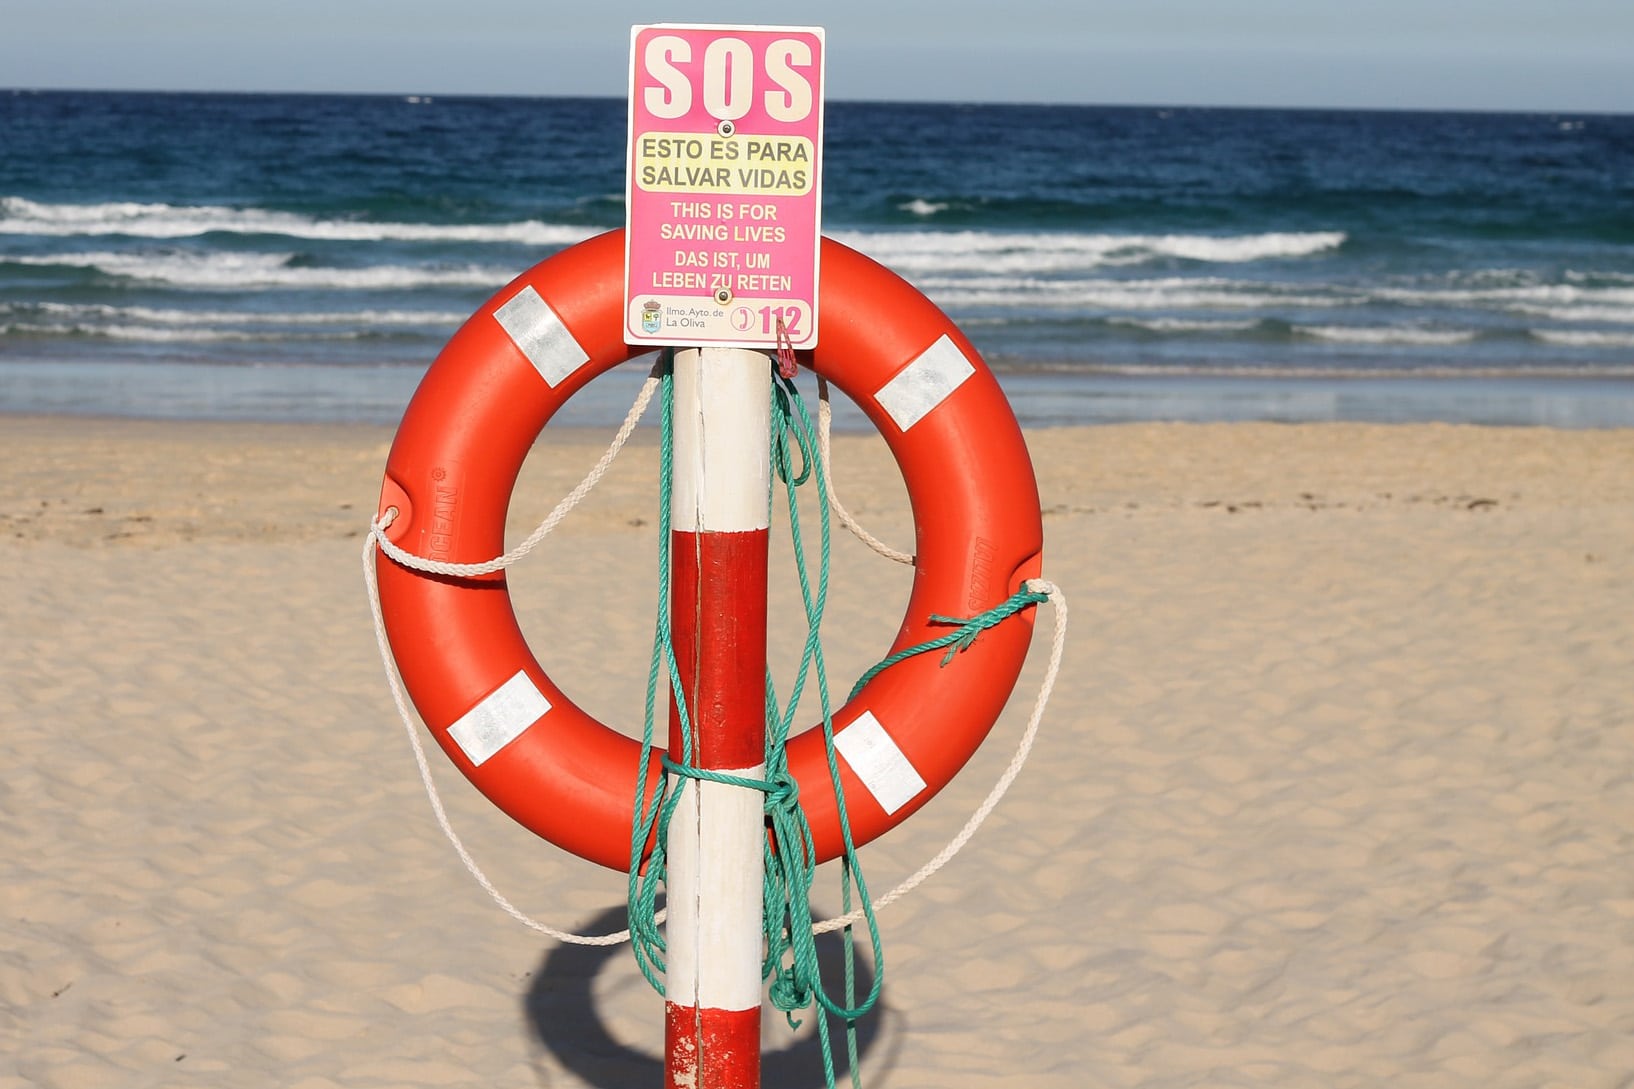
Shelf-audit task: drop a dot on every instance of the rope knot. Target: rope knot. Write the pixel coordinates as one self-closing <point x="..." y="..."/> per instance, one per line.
<point x="963" y="637"/>
<point x="789" y="993"/>
<point x="782" y="792"/>
<point x="787" y="366"/>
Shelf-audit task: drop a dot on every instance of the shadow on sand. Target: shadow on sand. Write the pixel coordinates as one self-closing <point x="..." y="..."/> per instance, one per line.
<point x="562" y="1014"/>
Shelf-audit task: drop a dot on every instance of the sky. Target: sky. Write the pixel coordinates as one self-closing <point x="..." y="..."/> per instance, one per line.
<point x="1552" y="55"/>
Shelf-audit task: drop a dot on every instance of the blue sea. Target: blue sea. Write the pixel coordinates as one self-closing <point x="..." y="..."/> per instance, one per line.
<point x="305" y="256"/>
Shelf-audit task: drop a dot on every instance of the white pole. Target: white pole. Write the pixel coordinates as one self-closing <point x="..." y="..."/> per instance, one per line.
<point x="720" y="511"/>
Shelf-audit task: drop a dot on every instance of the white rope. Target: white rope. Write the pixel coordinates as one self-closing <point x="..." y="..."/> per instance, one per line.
<point x="1024" y="749"/>
<point x="824" y="423"/>
<point x="565" y="507"/>
<point x="376" y="537"/>
<point x="996" y="795"/>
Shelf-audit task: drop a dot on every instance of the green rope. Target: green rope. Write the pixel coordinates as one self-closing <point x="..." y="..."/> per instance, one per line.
<point x="646" y="939"/>
<point x="791" y="957"/>
<point x="960" y="638"/>
<point x="790" y="861"/>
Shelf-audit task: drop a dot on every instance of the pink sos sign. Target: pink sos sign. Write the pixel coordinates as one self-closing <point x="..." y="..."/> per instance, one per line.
<point x="723" y="191"/>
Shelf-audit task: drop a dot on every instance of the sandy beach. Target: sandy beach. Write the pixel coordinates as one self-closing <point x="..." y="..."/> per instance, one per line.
<point x="1337" y="788"/>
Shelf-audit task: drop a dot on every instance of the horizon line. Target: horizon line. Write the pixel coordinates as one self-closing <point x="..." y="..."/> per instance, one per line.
<point x="512" y="95"/>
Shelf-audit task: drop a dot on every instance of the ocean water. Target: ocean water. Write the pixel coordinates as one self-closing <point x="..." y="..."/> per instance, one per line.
<point x="305" y="256"/>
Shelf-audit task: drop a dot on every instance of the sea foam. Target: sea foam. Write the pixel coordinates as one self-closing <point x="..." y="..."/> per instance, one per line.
<point x="228" y="271"/>
<point x="1034" y="252"/>
<point x="19" y="216"/>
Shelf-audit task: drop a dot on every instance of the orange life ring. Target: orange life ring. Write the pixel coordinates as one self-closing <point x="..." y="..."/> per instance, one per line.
<point x="471" y="422"/>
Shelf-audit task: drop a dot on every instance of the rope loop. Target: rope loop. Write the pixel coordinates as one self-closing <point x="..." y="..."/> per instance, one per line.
<point x="783" y="430"/>
<point x="766" y="786"/>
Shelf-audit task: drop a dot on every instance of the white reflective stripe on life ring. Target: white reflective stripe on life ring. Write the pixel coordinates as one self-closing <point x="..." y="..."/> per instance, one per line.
<point x="917" y="389"/>
<point x="541" y="336"/>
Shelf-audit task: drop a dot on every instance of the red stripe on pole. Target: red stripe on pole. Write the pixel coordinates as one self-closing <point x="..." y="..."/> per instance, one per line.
<point x="729" y="1040"/>
<point x="718" y="623"/>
